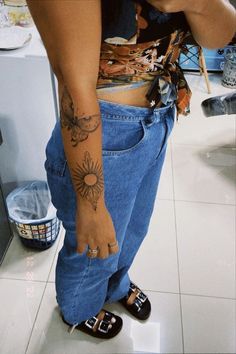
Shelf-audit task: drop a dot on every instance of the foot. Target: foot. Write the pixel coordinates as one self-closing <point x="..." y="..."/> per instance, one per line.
<point x="137" y="303"/>
<point x="104" y="325"/>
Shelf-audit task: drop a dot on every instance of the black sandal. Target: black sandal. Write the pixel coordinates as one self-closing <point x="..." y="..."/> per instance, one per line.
<point x="141" y="306"/>
<point x="108" y="327"/>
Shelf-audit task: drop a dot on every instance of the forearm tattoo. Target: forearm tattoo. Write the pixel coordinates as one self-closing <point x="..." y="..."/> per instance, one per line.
<point x="80" y="126"/>
<point x="89" y="180"/>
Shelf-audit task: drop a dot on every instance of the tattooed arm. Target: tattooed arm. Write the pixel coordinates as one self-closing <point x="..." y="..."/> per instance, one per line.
<point x="82" y="140"/>
<point x="71" y="33"/>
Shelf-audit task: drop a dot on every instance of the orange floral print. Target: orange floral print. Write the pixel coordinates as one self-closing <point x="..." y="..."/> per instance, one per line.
<point x="155" y="61"/>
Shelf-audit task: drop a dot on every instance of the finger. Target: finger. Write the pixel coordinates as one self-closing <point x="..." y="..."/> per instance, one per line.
<point x="114" y="249"/>
<point x="103" y="252"/>
<point x="81" y="247"/>
<point x="92" y="245"/>
<point x="92" y="250"/>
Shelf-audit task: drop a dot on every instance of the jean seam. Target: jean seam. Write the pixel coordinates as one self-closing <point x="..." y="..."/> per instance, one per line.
<point x="167" y="134"/>
<point x="164" y="140"/>
<point x="124" y="118"/>
<point x="76" y="298"/>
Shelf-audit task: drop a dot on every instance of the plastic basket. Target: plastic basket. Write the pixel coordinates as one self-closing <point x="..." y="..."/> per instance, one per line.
<point x="229" y="73"/>
<point x="41" y="236"/>
<point x="33" y="215"/>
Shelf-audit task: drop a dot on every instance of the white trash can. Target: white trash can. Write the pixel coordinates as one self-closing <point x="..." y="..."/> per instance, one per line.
<point x="31" y="211"/>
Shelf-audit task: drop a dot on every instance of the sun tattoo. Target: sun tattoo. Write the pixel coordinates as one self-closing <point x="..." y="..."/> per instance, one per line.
<point x="89" y="180"/>
<point x="80" y="126"/>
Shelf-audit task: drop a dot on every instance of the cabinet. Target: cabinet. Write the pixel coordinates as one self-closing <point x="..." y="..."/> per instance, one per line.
<point x="27" y="113"/>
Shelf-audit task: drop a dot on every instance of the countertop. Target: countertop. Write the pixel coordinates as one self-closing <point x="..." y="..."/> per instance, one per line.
<point x="34" y="48"/>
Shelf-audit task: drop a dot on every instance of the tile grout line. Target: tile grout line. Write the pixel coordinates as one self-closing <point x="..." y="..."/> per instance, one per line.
<point x="189" y="294"/>
<point x="176" y="242"/>
<point x="46" y="283"/>
<point x="230" y="147"/>
<point x="27" y="346"/>
<point x="34" y="280"/>
<point x="197" y="202"/>
<point x="61" y="235"/>
<point x="26" y="280"/>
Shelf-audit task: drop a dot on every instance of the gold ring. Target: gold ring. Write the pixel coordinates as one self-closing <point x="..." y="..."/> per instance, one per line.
<point x="92" y="253"/>
<point x="112" y="244"/>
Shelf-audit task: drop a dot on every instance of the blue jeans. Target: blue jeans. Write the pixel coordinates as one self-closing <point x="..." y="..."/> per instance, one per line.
<point x="133" y="151"/>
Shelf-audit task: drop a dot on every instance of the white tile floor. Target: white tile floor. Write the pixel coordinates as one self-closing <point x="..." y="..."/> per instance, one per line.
<point x="186" y="264"/>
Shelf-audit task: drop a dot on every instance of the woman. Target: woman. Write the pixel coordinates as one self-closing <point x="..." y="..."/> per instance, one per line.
<point x="119" y="88"/>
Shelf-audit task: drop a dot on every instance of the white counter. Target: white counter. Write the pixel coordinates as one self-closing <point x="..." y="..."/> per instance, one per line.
<point x="34" y="48"/>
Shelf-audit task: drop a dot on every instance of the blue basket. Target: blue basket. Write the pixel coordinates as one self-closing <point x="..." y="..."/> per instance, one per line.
<point x="41" y="236"/>
<point x="31" y="211"/>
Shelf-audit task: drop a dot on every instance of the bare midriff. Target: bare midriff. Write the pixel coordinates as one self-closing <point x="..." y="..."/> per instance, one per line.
<point x="133" y="96"/>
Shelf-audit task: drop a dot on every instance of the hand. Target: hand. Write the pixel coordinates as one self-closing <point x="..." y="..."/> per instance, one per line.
<point x="96" y="230"/>
<point x="178" y="5"/>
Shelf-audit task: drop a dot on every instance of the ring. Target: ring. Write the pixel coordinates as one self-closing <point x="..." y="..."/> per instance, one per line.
<point x="112" y="244"/>
<point x="92" y="253"/>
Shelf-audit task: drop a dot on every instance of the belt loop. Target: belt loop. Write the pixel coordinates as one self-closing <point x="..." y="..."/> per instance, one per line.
<point x="158" y="116"/>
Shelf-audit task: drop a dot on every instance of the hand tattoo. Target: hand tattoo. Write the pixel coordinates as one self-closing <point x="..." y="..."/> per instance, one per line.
<point x="80" y="127"/>
<point x="89" y="180"/>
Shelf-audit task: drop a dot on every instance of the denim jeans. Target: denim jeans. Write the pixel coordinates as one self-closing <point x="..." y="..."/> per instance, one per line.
<point x="133" y="151"/>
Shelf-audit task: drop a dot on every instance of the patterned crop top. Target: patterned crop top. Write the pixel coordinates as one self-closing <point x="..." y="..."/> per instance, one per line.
<point x="143" y="44"/>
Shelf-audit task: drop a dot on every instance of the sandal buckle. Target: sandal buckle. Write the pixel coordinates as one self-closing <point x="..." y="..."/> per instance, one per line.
<point x="141" y="296"/>
<point x="138" y="304"/>
<point x="104" y="326"/>
<point x="91" y="322"/>
<point x="133" y="287"/>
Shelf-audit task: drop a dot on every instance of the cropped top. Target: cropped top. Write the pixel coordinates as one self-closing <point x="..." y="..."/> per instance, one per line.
<point x="143" y="44"/>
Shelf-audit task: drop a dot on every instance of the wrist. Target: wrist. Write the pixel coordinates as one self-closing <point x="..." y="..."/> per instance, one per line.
<point x="90" y="206"/>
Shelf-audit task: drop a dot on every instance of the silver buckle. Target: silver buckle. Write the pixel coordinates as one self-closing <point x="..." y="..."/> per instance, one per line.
<point x="90" y="323"/>
<point x="140" y="299"/>
<point x="105" y="326"/>
<point x="133" y="287"/>
<point x="141" y="296"/>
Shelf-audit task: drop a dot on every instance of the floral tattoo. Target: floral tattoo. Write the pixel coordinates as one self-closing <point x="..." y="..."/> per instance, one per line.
<point x="89" y="180"/>
<point x="81" y="126"/>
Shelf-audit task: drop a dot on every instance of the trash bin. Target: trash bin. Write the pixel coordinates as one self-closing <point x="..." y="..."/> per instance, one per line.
<point x="229" y="73"/>
<point x="31" y="211"/>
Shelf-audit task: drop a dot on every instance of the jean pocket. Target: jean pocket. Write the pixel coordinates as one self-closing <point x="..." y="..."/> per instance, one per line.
<point x="56" y="167"/>
<point x="121" y="137"/>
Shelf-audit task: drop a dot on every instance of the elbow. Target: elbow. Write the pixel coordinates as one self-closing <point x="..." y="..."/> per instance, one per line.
<point x="216" y="42"/>
<point x="216" y="37"/>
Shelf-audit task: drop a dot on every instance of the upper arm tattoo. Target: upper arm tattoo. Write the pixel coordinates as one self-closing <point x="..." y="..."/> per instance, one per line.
<point x="80" y="126"/>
